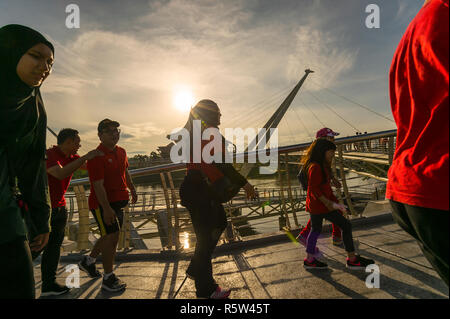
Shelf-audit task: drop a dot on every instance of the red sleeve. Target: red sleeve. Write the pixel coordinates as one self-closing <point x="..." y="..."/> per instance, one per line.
<point x="51" y="159"/>
<point x="96" y="169"/>
<point x="314" y="181"/>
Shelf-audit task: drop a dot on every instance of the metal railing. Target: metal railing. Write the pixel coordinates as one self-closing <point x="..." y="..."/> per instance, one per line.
<point x="368" y="156"/>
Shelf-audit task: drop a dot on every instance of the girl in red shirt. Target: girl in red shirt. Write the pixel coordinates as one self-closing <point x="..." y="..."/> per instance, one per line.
<point x="321" y="203"/>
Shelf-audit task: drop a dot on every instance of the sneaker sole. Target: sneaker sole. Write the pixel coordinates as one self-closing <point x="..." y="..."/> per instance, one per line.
<point x="53" y="293"/>
<point x="312" y="267"/>
<point x="86" y="271"/>
<point x="356" y="267"/>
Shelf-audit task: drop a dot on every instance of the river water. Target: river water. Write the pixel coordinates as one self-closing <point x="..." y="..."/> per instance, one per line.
<point x="355" y="183"/>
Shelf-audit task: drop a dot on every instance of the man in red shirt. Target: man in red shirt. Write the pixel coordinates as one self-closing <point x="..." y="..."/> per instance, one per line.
<point x="418" y="185"/>
<point x="62" y="162"/>
<point x="110" y="181"/>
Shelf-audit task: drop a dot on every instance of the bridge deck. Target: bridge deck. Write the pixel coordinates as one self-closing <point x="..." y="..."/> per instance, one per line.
<point x="274" y="269"/>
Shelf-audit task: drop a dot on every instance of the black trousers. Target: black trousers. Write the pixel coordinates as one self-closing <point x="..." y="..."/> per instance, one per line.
<point x="338" y="219"/>
<point x="209" y="221"/>
<point x="16" y="270"/>
<point x="51" y="253"/>
<point x="430" y="227"/>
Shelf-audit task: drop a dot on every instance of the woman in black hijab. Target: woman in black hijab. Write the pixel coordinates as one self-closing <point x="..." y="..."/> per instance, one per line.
<point x="26" y="59"/>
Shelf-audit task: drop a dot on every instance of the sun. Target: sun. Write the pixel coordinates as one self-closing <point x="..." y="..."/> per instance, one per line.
<point x="183" y="99"/>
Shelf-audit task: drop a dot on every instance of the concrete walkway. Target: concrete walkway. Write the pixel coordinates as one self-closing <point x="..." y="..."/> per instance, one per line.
<point x="272" y="268"/>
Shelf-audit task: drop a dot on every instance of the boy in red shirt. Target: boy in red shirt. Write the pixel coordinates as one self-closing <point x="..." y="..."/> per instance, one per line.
<point x="418" y="185"/>
<point x="110" y="181"/>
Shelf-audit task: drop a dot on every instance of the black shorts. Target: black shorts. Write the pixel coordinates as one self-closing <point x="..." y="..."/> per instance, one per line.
<point x="114" y="227"/>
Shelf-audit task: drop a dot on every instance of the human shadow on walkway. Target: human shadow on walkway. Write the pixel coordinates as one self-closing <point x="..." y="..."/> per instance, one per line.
<point x="325" y="275"/>
<point x="399" y="289"/>
<point x="76" y="293"/>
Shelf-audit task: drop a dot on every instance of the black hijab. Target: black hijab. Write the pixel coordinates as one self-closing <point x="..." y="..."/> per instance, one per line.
<point x="21" y="108"/>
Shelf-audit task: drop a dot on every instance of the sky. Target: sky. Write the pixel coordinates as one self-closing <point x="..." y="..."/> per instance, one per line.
<point x="145" y="63"/>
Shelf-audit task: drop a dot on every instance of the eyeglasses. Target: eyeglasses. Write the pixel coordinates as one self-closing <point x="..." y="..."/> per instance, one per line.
<point x="112" y="131"/>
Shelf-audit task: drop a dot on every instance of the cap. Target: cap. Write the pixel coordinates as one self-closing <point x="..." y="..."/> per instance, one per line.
<point x="324" y="132"/>
<point x="106" y="123"/>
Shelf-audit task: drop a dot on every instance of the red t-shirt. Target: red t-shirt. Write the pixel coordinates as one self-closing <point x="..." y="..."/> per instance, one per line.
<point x="58" y="187"/>
<point x="111" y="169"/>
<point x="317" y="188"/>
<point x="419" y="174"/>
<point x="211" y="171"/>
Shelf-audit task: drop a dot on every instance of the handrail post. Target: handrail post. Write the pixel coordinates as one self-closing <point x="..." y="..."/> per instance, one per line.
<point x="169" y="214"/>
<point x="175" y="212"/>
<point x="83" y="218"/>
<point x="344" y="182"/>
<point x="391" y="149"/>
<point x="281" y="192"/>
<point x="290" y="189"/>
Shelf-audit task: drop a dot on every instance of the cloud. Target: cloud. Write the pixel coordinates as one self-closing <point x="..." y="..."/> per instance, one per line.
<point x="322" y="52"/>
<point x="236" y="52"/>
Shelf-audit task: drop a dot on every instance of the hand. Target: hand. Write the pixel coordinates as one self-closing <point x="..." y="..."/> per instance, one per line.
<point x="335" y="182"/>
<point x="249" y="191"/>
<point x="39" y="242"/>
<point x="109" y="216"/>
<point x="134" y="196"/>
<point x="94" y="153"/>
<point x="340" y="207"/>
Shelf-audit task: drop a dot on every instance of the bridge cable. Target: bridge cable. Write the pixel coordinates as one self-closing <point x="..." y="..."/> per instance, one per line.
<point x="303" y="124"/>
<point x="265" y="105"/>
<point x="317" y="118"/>
<point x="329" y="107"/>
<point x="354" y="102"/>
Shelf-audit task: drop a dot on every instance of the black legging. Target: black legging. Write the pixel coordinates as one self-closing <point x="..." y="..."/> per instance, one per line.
<point x="209" y="221"/>
<point x="16" y="270"/>
<point x="51" y="252"/>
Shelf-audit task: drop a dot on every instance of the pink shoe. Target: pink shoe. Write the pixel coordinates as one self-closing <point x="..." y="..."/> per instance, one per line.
<point x="220" y="293"/>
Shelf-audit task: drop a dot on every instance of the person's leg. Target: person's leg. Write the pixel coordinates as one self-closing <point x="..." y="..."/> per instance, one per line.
<point x="16" y="270"/>
<point x="305" y="231"/>
<point x="316" y="229"/>
<point x="336" y="235"/>
<point x="343" y="223"/>
<point x="109" y="251"/>
<point x="430" y="228"/>
<point x="50" y="257"/>
<point x="98" y="247"/>
<point x="201" y="265"/>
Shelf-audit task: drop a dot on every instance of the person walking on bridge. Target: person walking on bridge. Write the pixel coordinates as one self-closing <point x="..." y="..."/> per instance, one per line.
<point x="26" y="60"/>
<point x="199" y="196"/>
<point x="336" y="238"/>
<point x="62" y="162"/>
<point x="322" y="204"/>
<point x="110" y="181"/>
<point x="418" y="179"/>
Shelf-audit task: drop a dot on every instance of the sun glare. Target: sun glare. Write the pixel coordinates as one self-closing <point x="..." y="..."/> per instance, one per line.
<point x="183" y="99"/>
